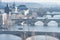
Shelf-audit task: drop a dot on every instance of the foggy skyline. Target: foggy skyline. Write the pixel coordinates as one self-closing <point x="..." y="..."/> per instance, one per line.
<point x="36" y="1"/>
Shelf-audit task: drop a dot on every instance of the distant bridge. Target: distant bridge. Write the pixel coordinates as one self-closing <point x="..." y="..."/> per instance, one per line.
<point x="33" y="21"/>
<point x="50" y="14"/>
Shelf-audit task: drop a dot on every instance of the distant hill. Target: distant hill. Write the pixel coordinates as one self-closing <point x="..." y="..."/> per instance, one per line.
<point x="34" y="5"/>
<point x="50" y="6"/>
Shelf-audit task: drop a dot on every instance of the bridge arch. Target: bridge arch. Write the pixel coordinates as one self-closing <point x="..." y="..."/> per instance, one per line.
<point x="48" y="16"/>
<point x="15" y="33"/>
<point x="56" y="17"/>
<point x="52" y="23"/>
<point x="9" y="36"/>
<point x="39" y="23"/>
<point x="42" y="37"/>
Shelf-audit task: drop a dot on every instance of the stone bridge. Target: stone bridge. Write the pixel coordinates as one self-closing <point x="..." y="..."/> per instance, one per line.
<point x="26" y="34"/>
<point x="33" y="21"/>
<point x="52" y="15"/>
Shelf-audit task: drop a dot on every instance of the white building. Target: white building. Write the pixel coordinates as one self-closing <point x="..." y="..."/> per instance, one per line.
<point x="4" y="18"/>
<point x="26" y="12"/>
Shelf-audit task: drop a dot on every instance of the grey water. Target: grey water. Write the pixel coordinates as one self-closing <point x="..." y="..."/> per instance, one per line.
<point x="35" y="28"/>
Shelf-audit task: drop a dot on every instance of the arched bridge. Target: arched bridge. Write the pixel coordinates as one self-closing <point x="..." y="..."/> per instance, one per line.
<point x="33" y="21"/>
<point x="25" y="34"/>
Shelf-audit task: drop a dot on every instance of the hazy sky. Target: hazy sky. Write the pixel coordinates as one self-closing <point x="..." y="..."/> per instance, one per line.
<point x="37" y="1"/>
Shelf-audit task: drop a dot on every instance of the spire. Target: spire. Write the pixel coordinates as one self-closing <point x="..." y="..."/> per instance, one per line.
<point x="7" y="9"/>
<point x="7" y="5"/>
<point x="14" y="4"/>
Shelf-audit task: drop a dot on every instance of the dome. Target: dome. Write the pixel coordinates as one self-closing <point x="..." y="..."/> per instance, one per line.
<point x="22" y="7"/>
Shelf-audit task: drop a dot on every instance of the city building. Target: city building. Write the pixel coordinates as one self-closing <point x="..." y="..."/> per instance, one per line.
<point x="23" y="9"/>
<point x="4" y="18"/>
<point x="34" y="15"/>
<point x="14" y="8"/>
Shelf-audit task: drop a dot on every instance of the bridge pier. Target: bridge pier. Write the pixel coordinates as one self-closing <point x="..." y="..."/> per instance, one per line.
<point x="24" y="36"/>
<point x="58" y="24"/>
<point x="52" y="15"/>
<point x="46" y="20"/>
<point x="32" y="24"/>
<point x="45" y="24"/>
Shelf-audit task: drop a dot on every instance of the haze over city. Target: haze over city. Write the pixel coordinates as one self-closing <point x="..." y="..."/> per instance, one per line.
<point x="37" y="1"/>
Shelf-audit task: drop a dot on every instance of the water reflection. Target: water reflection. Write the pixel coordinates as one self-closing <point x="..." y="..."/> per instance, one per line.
<point x="9" y="37"/>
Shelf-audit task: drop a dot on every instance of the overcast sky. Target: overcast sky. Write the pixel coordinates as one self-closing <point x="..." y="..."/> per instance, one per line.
<point x="37" y="1"/>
